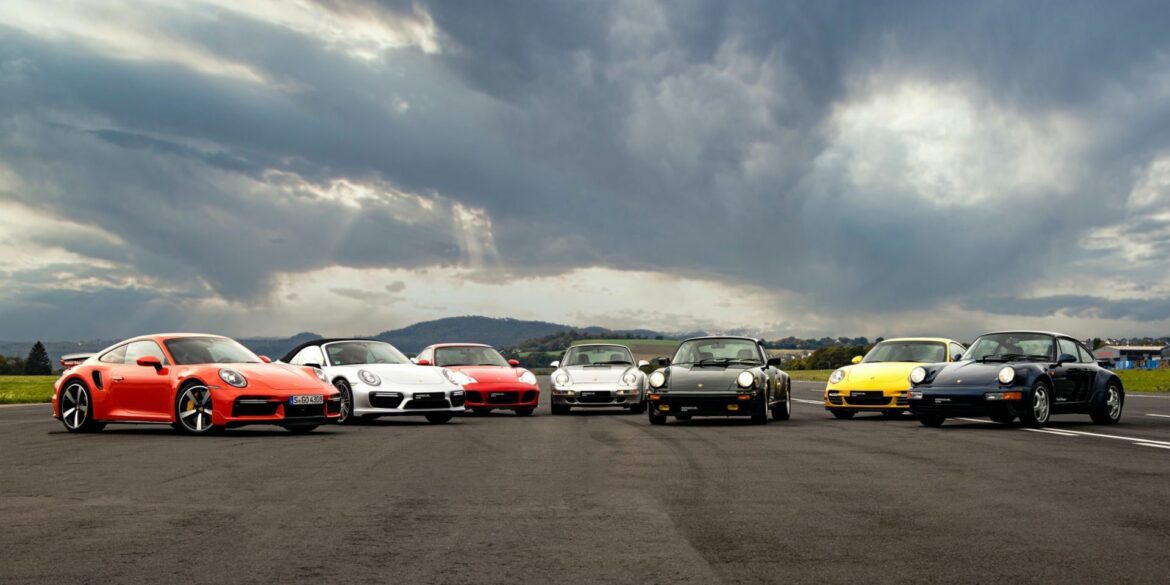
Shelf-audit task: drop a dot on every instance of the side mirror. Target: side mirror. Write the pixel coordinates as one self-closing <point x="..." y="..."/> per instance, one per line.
<point x="423" y="362"/>
<point x="314" y="366"/>
<point x="663" y="362"/>
<point x="857" y="359"/>
<point x="1104" y="363"/>
<point x="643" y="364"/>
<point x="514" y="363"/>
<point x="265" y="359"/>
<point x="149" y="361"/>
<point x="957" y="357"/>
<point x="775" y="362"/>
<point x="1067" y="358"/>
<point x="555" y="364"/>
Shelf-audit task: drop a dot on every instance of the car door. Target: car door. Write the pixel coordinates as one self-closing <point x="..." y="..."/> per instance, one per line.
<point x="1089" y="367"/>
<point x="143" y="392"/>
<point x="1067" y="377"/>
<point x="110" y="365"/>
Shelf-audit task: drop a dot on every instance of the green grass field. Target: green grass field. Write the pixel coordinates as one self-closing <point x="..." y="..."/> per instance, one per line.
<point x="1133" y="380"/>
<point x="26" y="389"/>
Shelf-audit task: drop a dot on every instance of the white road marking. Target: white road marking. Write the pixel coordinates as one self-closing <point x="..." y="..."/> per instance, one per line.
<point x="817" y="402"/>
<point x="1153" y="445"/>
<point x="1051" y="432"/>
<point x="1131" y="395"/>
<point x="25" y="405"/>
<point x="1159" y="415"/>
<point x="974" y="420"/>
<point x="1119" y="437"/>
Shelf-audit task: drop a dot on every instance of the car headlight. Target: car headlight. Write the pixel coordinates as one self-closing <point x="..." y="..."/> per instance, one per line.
<point x="233" y="378"/>
<point x="629" y="379"/>
<point x="837" y="376"/>
<point x="1006" y="375"/>
<point x="561" y="378"/>
<point x="458" y="378"/>
<point x="527" y="377"/>
<point x="368" y="377"/>
<point x="745" y="380"/>
<point x="917" y="375"/>
<point x="658" y="379"/>
<point x="320" y="375"/>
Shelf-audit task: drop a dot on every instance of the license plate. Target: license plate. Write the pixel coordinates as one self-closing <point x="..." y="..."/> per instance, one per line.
<point x="688" y="408"/>
<point x="588" y="394"/>
<point x="732" y="407"/>
<point x="423" y="396"/>
<point x="499" y="394"/>
<point x="942" y="399"/>
<point x="307" y="399"/>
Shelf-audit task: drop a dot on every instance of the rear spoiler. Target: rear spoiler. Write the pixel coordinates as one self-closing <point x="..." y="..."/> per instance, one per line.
<point x="74" y="359"/>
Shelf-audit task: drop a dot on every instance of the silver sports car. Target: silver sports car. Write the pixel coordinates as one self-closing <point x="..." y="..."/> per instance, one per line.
<point x="598" y="375"/>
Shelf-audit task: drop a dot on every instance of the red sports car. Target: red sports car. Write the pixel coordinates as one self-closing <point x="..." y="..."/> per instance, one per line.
<point x="197" y="383"/>
<point x="496" y="382"/>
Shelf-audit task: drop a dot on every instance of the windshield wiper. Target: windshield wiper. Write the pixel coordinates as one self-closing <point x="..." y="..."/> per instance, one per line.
<point x="993" y="357"/>
<point x="615" y="363"/>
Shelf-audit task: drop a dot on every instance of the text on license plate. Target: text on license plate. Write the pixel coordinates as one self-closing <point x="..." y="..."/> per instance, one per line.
<point x="306" y="399"/>
<point x="421" y="396"/>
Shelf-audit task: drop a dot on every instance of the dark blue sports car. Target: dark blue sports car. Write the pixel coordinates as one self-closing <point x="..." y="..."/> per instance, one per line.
<point x="1029" y="375"/>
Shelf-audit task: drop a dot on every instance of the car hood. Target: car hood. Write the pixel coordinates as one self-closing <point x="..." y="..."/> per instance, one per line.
<point x="397" y="374"/>
<point x="971" y="373"/>
<point x="704" y="379"/>
<point x="491" y="374"/>
<point x="878" y="376"/>
<point x="607" y="374"/>
<point x="273" y="377"/>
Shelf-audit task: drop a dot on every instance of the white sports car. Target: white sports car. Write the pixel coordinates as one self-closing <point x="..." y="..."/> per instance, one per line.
<point x="598" y="375"/>
<point x="376" y="380"/>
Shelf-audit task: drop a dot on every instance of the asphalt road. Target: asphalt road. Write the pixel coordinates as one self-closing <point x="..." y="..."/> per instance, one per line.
<point x="591" y="498"/>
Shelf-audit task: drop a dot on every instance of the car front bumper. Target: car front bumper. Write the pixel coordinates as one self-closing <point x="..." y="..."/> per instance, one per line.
<point x="403" y="401"/>
<point x="492" y="396"/>
<point x="705" y="404"/>
<point x="251" y="410"/>
<point x="866" y="400"/>
<point x="968" y="402"/>
<point x="596" y="396"/>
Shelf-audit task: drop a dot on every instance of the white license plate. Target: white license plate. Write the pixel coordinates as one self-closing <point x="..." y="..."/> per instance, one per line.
<point x="306" y="399"/>
<point x="499" y="394"/>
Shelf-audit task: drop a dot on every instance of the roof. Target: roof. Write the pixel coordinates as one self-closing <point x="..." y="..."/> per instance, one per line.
<point x="930" y="339"/>
<point x="752" y="339"/>
<point x="1038" y="332"/>
<point x="439" y="345"/>
<point x="294" y="351"/>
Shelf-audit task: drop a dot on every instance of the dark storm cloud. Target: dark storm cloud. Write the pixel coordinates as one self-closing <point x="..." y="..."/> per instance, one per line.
<point x="691" y="137"/>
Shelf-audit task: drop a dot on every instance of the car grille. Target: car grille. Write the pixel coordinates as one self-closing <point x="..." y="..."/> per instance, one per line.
<point x="502" y="397"/>
<point x="303" y="410"/>
<point x="244" y="406"/>
<point x="529" y="396"/>
<point x="333" y="406"/>
<point x="835" y="400"/>
<point x="385" y="399"/>
<point x="458" y="399"/>
<point x="876" y="398"/>
<point x="953" y="402"/>
<point x="901" y="401"/>
<point x="474" y="396"/>
<point x="595" y="397"/>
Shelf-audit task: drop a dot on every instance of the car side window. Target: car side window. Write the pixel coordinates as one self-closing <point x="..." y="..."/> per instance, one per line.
<point x="1069" y="347"/>
<point x="957" y="349"/>
<point x="309" y="355"/>
<point x="114" y="356"/>
<point x="144" y="349"/>
<point x="426" y="355"/>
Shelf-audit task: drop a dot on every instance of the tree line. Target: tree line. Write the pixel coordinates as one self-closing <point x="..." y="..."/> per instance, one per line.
<point x="36" y="364"/>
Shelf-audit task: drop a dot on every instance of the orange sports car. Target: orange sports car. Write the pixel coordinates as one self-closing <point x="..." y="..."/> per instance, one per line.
<point x="196" y="383"/>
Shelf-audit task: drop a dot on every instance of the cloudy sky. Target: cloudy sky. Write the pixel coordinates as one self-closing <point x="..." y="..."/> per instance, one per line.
<point x="806" y="168"/>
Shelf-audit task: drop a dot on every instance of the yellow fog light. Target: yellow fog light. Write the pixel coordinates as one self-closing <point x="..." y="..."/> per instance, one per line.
<point x="663" y="407"/>
<point x="732" y="407"/>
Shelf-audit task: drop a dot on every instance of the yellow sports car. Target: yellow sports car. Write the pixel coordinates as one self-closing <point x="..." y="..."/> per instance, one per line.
<point x="879" y="381"/>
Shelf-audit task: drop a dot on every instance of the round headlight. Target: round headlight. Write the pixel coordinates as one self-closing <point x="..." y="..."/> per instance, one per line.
<point x="837" y="376"/>
<point x="629" y="379"/>
<point x="745" y="379"/>
<point x="917" y="375"/>
<point x="1006" y="375"/>
<point x="233" y="378"/>
<point x="458" y="378"/>
<point x="320" y="375"/>
<point x="527" y="377"/>
<point x="561" y="378"/>
<point x="658" y="379"/>
<point x="369" y="377"/>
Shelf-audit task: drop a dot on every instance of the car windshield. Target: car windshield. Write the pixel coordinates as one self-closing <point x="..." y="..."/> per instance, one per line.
<point x="1011" y="347"/>
<point x="469" y="355"/>
<point x="717" y="351"/>
<point x="927" y="352"/>
<point x="598" y="355"/>
<point x="209" y="350"/>
<point x="348" y="353"/>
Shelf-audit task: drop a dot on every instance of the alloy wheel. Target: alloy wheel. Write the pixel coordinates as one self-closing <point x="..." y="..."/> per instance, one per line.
<point x="195" y="408"/>
<point x="74" y="406"/>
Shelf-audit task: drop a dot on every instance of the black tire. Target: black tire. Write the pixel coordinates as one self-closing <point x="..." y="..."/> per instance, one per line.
<point x="932" y="420"/>
<point x="561" y="409"/>
<point x="480" y="411"/>
<point x="783" y="411"/>
<point x="524" y="411"/>
<point x="300" y="429"/>
<point x="842" y="413"/>
<point x="438" y="418"/>
<point x="347" y="416"/>
<point x="76" y="404"/>
<point x="1035" y="414"/>
<point x="760" y="414"/>
<point x="892" y="414"/>
<point x="194" y="405"/>
<point x="656" y="419"/>
<point x="1004" y="418"/>
<point x="1109" y="413"/>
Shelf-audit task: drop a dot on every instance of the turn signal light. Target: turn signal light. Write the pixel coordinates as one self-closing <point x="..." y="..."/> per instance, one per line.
<point x="745" y="396"/>
<point x="654" y="396"/>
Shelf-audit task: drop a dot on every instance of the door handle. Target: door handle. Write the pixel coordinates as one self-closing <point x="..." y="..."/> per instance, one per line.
<point x="116" y="378"/>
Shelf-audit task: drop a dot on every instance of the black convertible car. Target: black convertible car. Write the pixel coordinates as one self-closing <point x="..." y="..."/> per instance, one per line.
<point x="1026" y="374"/>
<point x="719" y="376"/>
